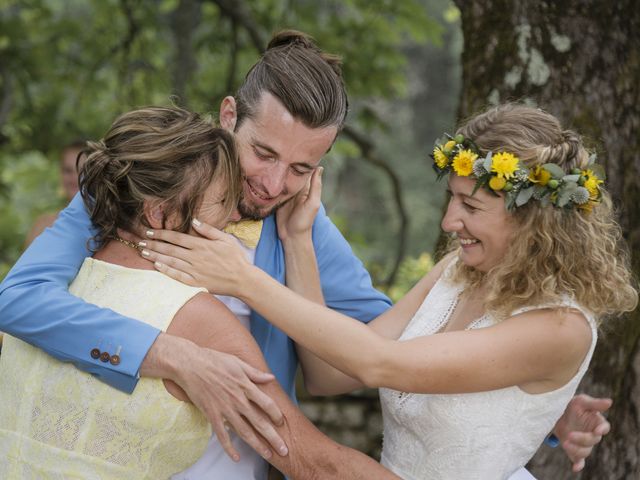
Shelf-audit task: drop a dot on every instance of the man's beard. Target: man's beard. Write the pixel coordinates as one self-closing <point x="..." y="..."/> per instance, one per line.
<point x="251" y="212"/>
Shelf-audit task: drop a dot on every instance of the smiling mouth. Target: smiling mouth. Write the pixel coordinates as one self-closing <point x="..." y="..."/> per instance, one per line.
<point x="257" y="194"/>
<point x="467" y="241"/>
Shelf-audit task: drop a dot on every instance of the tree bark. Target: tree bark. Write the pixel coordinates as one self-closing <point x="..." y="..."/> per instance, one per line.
<point x="580" y="60"/>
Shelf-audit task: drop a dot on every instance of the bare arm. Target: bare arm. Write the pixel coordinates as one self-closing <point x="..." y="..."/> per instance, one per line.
<point x="295" y="221"/>
<point x="207" y="323"/>
<point x="530" y="347"/>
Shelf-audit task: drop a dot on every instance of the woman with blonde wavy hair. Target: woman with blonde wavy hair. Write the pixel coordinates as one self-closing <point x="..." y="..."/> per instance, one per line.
<point x="479" y="360"/>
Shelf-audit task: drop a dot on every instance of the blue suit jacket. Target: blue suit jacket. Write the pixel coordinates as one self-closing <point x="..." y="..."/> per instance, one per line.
<point x="36" y="307"/>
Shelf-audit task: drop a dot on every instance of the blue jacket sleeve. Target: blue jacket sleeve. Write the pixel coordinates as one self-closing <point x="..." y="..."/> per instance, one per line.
<point x="36" y="306"/>
<point x="346" y="284"/>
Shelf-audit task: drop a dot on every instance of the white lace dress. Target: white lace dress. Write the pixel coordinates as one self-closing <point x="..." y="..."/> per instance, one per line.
<point x="486" y="435"/>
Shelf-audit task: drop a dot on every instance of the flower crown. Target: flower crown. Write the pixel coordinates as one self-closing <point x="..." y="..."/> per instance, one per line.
<point x="503" y="172"/>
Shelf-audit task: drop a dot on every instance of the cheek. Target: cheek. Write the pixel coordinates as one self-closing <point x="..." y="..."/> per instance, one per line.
<point x="249" y="163"/>
<point x="296" y="183"/>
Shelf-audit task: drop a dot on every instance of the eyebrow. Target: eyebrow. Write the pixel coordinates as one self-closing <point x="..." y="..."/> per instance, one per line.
<point x="465" y="196"/>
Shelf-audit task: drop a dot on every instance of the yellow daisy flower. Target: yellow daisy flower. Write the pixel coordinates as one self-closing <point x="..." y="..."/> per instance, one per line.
<point x="463" y="162"/>
<point x="539" y="175"/>
<point x="497" y="183"/>
<point x="440" y="158"/>
<point x="591" y="184"/>
<point x="504" y="164"/>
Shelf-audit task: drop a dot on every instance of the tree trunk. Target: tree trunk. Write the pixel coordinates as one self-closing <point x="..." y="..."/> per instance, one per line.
<point x="579" y="60"/>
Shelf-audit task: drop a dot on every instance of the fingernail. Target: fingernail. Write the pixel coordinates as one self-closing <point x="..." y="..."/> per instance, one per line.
<point x="321" y="170"/>
<point x="142" y="244"/>
<point x="236" y="458"/>
<point x="158" y="265"/>
<point x="283" y="450"/>
<point x="145" y="253"/>
<point x="196" y="222"/>
<point x="266" y="454"/>
<point x="149" y="233"/>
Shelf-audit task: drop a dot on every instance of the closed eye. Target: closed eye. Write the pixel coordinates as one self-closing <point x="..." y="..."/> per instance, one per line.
<point x="262" y="155"/>
<point x="299" y="171"/>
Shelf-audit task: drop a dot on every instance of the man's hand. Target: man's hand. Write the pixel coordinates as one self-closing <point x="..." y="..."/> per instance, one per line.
<point x="223" y="388"/>
<point x="582" y="426"/>
<point x="296" y="217"/>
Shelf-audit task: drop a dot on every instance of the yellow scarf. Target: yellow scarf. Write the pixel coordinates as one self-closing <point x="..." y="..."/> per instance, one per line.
<point x="247" y="231"/>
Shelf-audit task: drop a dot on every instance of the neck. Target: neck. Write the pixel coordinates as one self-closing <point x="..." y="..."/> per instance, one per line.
<point x="118" y="253"/>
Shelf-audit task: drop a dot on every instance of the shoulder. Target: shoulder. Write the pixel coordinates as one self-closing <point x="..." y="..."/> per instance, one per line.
<point x="561" y="336"/>
<point x="201" y="316"/>
<point x="566" y="323"/>
<point x="42" y="222"/>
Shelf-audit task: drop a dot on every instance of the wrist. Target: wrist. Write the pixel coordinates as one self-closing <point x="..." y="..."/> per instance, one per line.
<point x="297" y="238"/>
<point x="298" y="244"/>
<point x="251" y="281"/>
<point x="165" y="357"/>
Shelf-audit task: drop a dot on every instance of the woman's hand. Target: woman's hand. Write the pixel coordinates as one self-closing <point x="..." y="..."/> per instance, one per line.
<point x="295" y="218"/>
<point x="215" y="262"/>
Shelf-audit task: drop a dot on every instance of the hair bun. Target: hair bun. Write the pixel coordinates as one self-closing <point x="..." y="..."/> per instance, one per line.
<point x="293" y="38"/>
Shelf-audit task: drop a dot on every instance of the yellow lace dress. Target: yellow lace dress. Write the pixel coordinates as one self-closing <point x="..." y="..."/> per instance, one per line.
<point x="57" y="422"/>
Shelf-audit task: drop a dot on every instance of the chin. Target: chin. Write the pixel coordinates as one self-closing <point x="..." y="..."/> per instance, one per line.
<point x="253" y="212"/>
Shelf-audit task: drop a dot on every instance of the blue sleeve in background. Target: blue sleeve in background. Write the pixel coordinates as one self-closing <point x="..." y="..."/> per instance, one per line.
<point x="36" y="307"/>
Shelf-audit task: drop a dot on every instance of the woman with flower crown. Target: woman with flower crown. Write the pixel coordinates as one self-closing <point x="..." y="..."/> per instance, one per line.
<point x="478" y="361"/>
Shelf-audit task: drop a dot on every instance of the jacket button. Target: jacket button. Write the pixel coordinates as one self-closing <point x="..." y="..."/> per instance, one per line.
<point x="115" y="360"/>
<point x="95" y="353"/>
<point x="105" y="357"/>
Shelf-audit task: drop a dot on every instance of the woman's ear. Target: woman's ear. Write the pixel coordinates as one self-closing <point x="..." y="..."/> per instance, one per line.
<point x="228" y="113"/>
<point x="154" y="214"/>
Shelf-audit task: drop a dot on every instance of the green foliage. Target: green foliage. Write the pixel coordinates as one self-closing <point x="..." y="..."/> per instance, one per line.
<point x="411" y="271"/>
<point x="67" y="68"/>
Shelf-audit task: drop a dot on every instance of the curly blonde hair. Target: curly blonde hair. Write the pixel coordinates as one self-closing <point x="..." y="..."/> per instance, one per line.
<point x="556" y="252"/>
<point x="159" y="153"/>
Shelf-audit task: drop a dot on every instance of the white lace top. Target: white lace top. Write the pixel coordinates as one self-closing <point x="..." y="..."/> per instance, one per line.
<point x="486" y="435"/>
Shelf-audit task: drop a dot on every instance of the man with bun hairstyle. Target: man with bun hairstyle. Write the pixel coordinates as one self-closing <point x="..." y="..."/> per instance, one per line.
<point x="286" y="116"/>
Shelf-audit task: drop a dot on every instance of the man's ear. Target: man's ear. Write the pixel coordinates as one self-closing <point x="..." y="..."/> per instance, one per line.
<point x="154" y="214"/>
<point x="228" y="113"/>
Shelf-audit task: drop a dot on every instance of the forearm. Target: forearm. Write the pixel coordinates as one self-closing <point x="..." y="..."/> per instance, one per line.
<point x="302" y="277"/>
<point x="311" y="455"/>
<point x="36" y="306"/>
<point x="343" y="342"/>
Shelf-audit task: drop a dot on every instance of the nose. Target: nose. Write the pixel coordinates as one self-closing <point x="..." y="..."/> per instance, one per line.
<point x="275" y="180"/>
<point x="451" y="221"/>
